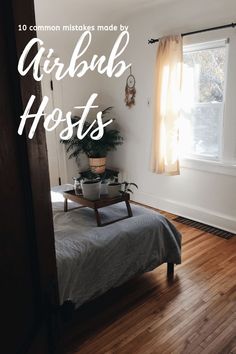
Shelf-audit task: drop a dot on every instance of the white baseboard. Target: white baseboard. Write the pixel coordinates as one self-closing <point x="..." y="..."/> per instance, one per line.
<point x="192" y="212"/>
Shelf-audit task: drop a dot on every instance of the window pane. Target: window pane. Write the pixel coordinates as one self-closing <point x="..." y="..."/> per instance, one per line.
<point x="201" y="131"/>
<point x="203" y="99"/>
<point x="208" y="71"/>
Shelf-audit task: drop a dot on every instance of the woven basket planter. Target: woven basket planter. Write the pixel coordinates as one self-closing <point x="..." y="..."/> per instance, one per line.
<point x="97" y="165"/>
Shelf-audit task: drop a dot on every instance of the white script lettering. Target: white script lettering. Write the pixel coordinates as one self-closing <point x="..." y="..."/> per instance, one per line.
<point x="103" y="65"/>
<point x="56" y="117"/>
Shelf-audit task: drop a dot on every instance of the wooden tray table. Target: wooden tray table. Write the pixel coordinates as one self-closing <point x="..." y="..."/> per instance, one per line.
<point x="104" y="201"/>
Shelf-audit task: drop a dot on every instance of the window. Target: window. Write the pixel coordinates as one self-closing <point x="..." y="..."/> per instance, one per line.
<point x="204" y="74"/>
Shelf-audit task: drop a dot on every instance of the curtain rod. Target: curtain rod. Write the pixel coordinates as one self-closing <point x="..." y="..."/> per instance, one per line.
<point x="151" y="41"/>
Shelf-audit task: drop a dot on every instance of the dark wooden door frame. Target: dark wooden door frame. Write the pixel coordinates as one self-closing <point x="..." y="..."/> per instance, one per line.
<point x="36" y="149"/>
<point x="33" y="170"/>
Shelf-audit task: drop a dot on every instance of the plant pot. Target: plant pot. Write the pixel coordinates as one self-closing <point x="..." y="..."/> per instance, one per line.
<point x="104" y="190"/>
<point x="91" y="189"/>
<point x="114" y="189"/>
<point x="97" y="165"/>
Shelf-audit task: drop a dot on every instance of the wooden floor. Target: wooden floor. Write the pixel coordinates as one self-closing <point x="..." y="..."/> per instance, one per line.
<point x="195" y="313"/>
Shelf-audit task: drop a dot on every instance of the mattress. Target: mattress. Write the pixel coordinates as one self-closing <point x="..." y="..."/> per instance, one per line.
<point x="92" y="260"/>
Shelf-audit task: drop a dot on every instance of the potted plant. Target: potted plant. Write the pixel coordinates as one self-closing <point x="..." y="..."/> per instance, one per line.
<point x="128" y="186"/>
<point x="96" y="150"/>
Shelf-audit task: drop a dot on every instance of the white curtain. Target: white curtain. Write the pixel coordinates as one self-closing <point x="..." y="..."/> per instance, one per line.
<point x="165" y="159"/>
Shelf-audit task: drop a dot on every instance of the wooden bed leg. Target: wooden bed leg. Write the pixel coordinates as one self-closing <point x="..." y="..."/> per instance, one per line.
<point x="170" y="270"/>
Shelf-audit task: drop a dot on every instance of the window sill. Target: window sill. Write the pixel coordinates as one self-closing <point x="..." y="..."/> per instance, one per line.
<point x="209" y="166"/>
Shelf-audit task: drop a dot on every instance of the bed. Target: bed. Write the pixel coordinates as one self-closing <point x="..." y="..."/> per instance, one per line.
<point x="91" y="260"/>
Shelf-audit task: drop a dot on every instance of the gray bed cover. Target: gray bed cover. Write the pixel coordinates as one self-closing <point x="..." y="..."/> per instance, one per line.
<point x="92" y="260"/>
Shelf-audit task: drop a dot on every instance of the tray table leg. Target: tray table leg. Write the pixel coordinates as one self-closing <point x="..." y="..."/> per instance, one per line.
<point x="128" y="209"/>
<point x="65" y="204"/>
<point x="97" y="217"/>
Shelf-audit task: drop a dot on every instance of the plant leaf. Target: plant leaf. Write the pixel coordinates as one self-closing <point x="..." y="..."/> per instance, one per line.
<point x="129" y="190"/>
<point x="134" y="184"/>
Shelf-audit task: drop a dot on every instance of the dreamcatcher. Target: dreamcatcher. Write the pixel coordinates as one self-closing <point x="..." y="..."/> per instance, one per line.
<point x="130" y="90"/>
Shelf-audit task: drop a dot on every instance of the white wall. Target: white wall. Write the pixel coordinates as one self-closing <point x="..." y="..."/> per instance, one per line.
<point x="73" y="91"/>
<point x="202" y="195"/>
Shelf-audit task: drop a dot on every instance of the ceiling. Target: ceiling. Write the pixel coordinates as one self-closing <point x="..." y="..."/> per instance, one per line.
<point x="148" y="16"/>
